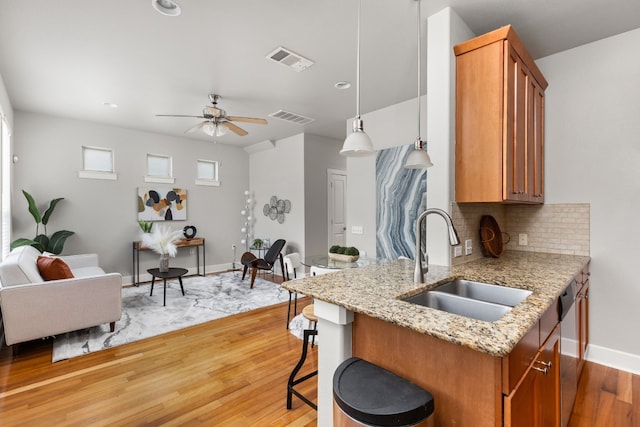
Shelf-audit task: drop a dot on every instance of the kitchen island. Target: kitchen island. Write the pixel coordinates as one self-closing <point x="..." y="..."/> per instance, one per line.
<point x="462" y="361"/>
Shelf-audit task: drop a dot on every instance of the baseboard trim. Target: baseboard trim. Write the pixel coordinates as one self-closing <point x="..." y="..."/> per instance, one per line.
<point x="613" y="358"/>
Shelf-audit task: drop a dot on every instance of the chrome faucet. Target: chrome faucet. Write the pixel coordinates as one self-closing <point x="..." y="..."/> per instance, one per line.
<point x="418" y="274"/>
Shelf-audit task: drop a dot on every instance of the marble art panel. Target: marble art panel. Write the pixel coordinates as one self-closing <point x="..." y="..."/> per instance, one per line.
<point x="400" y="197"/>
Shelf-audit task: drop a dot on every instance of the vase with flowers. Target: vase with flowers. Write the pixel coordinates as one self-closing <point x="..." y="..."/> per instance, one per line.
<point x="163" y="241"/>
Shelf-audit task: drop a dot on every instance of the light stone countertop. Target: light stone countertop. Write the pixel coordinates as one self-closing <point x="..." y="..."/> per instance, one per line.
<point x="375" y="290"/>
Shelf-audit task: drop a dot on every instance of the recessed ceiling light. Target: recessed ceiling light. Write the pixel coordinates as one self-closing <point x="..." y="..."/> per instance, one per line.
<point x="166" y="7"/>
<point x="110" y="104"/>
<point x="342" y="85"/>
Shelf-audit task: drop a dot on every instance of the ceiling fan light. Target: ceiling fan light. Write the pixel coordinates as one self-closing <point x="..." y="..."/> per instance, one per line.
<point x="166" y="7"/>
<point x="209" y="128"/>
<point x="221" y="130"/>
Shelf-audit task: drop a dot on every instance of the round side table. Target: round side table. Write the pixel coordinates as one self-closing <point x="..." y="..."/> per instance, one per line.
<point x="173" y="273"/>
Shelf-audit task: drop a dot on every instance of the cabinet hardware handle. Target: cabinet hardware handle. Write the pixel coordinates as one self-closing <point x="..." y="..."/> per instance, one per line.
<point x="543" y="370"/>
<point x="547" y="364"/>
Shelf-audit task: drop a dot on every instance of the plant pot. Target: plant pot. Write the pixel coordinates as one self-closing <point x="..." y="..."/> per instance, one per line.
<point x="343" y="258"/>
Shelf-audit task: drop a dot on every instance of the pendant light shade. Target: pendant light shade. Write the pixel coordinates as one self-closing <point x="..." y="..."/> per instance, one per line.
<point x="418" y="158"/>
<point x="358" y="143"/>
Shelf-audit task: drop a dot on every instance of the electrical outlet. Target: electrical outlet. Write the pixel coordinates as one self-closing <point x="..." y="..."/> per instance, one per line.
<point x="357" y="229"/>
<point x="468" y="247"/>
<point x="457" y="251"/>
<point x="523" y="239"/>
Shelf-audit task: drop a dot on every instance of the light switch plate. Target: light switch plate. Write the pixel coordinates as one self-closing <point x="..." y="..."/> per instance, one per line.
<point x="523" y="239"/>
<point x="356" y="229"/>
<point x="468" y="247"/>
<point x="457" y="251"/>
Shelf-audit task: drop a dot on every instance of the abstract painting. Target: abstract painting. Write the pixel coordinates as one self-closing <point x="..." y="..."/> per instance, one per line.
<point x="162" y="204"/>
<point x="400" y="197"/>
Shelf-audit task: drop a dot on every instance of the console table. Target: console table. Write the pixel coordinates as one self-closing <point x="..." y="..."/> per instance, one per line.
<point x="197" y="242"/>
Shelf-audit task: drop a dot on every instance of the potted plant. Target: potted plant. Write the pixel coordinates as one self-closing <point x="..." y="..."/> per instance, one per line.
<point x="257" y="244"/>
<point x="343" y="253"/>
<point x="42" y="242"/>
<point x="163" y="241"/>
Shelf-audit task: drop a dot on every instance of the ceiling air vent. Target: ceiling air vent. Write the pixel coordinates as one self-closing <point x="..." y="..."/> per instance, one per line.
<point x="290" y="59"/>
<point x="291" y="117"/>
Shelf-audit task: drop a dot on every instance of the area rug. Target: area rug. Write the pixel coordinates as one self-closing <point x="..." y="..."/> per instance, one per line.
<point x="143" y="316"/>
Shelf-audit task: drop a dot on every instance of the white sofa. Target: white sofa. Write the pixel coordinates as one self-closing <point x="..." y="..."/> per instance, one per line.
<point x="33" y="308"/>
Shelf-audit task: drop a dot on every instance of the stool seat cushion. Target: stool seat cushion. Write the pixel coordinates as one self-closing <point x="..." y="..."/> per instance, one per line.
<point x="374" y="396"/>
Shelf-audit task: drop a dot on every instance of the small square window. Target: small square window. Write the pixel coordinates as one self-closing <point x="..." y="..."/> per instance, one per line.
<point x="207" y="173"/>
<point x="159" y="169"/>
<point x="97" y="163"/>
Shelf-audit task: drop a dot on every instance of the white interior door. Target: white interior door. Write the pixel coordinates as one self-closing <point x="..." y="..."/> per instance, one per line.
<point x="337" y="192"/>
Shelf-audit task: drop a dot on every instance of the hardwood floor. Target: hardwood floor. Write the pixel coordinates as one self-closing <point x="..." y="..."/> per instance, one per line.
<point x="228" y="372"/>
<point x="606" y="397"/>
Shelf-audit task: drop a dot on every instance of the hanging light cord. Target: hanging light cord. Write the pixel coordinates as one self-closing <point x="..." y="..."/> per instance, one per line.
<point x="419" y="51"/>
<point x="358" y="63"/>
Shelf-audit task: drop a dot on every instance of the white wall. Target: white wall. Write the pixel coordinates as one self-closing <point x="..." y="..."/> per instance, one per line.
<point x="5" y="104"/>
<point x="397" y="125"/>
<point x="592" y="153"/>
<point x="102" y="213"/>
<point x="279" y="171"/>
<point x="445" y="30"/>
<point x="389" y="127"/>
<point x="320" y="154"/>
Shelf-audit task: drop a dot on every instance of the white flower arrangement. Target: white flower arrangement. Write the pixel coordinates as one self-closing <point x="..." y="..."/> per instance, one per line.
<point x="162" y="240"/>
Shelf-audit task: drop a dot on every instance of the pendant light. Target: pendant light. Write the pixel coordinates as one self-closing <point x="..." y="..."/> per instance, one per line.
<point x="358" y="143"/>
<point x="418" y="158"/>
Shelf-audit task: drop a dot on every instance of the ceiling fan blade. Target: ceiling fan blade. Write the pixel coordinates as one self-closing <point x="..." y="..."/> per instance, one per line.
<point x="179" y="115"/>
<point x="233" y="128"/>
<point x="196" y="127"/>
<point x="214" y="111"/>
<point x="253" y="120"/>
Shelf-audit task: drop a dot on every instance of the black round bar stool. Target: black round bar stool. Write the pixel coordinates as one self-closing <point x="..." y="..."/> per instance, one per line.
<point x="372" y="396"/>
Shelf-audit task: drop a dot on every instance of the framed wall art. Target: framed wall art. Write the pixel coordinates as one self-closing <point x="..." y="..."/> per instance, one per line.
<point x="162" y="203"/>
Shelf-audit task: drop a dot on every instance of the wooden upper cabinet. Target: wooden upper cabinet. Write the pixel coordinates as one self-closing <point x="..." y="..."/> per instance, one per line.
<point x="499" y="121"/>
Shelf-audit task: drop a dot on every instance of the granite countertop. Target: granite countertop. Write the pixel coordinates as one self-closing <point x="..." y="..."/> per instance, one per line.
<point x="375" y="290"/>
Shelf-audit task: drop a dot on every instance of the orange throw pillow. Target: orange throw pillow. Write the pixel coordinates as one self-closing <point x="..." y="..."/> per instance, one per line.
<point x="52" y="268"/>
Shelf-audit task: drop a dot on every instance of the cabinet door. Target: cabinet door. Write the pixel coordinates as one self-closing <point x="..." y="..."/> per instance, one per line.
<point x="548" y="394"/>
<point x="583" y="324"/>
<point x="516" y="118"/>
<point x="535" y="144"/>
<point x="520" y="406"/>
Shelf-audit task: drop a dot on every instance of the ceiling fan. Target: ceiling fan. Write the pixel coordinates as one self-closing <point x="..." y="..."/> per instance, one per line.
<point x="216" y="122"/>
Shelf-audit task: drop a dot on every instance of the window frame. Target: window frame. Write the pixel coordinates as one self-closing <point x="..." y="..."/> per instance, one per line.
<point x="96" y="173"/>
<point x="163" y="179"/>
<point x="214" y="181"/>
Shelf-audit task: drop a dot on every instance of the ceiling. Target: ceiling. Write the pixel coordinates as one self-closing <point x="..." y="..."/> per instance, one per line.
<point x="68" y="58"/>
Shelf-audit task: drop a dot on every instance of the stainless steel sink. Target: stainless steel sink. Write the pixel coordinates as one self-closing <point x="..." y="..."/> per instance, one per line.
<point x="485" y="292"/>
<point x="481" y="301"/>
<point x="467" y="307"/>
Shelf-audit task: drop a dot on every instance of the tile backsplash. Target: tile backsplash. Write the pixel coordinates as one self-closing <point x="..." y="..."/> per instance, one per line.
<point x="552" y="228"/>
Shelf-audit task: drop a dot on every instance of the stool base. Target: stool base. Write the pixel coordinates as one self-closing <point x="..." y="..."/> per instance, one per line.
<point x="340" y="419"/>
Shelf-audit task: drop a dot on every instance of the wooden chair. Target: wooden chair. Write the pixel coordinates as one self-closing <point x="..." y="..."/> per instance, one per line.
<point x="267" y="263"/>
